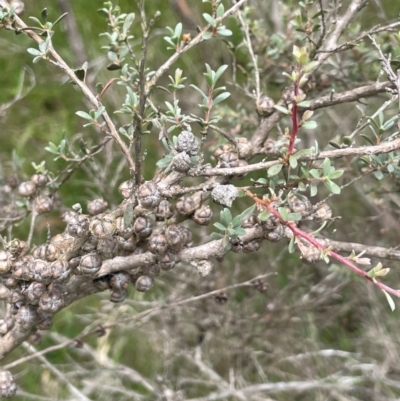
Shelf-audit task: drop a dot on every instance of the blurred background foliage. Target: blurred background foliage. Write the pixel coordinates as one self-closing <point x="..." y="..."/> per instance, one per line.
<point x="256" y="336"/>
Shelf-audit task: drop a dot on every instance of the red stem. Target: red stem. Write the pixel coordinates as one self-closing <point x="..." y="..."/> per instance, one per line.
<point x="295" y="124"/>
<point x="310" y="239"/>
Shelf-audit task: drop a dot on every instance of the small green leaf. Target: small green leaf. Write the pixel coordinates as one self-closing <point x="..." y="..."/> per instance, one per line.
<point x="313" y="190"/>
<point x="219" y="72"/>
<point x="378" y="175"/>
<point x="310" y="125"/>
<point x="390" y="300"/>
<point x="128" y="22"/>
<point x="226" y="217"/>
<point x="220" y="226"/>
<point x="326" y="166"/>
<point x="291" y="246"/>
<point x="282" y="109"/>
<point x="239" y="231"/>
<point x="293" y="161"/>
<point x="304" y="103"/>
<point x="209" y="19"/>
<point x="239" y="220"/>
<point x="164" y="162"/>
<point x="283" y="213"/>
<point x="223" y="31"/>
<point x="220" y="98"/>
<point x="128" y="215"/>
<point x="263" y="216"/>
<point x="294" y="216"/>
<point x="200" y="91"/>
<point x="332" y="187"/>
<point x="274" y="170"/>
<point x="226" y="243"/>
<point x="84" y="115"/>
<point x="34" y="52"/>
<point x="310" y="66"/>
<point x="216" y="236"/>
<point x="335" y="174"/>
<point x="52" y="148"/>
<point x="220" y="10"/>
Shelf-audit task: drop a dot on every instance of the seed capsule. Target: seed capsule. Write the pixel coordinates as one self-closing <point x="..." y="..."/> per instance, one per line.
<point x="103" y="282"/>
<point x="89" y="245"/>
<point x="144" y="283"/>
<point x="16" y="247"/>
<point x="174" y="235"/>
<point x="271" y="223"/>
<point x="270" y="147"/>
<point x="324" y="212"/>
<point x="148" y="195"/>
<point x="188" y="143"/>
<point x="46" y="252"/>
<point x="43" y="204"/>
<point x="34" y="292"/>
<point x="26" y="316"/>
<point x="157" y="244"/>
<point x="90" y="264"/>
<point x="167" y="261"/>
<point x="203" y="215"/>
<point x="5" y="263"/>
<point x="21" y="269"/>
<point x="97" y="206"/>
<point x="40" y="180"/>
<point x="185" y="206"/>
<point x="6" y="324"/>
<point x="182" y="162"/>
<point x="119" y="283"/>
<point x="41" y="271"/>
<point x="244" y="148"/>
<point x="122" y="230"/>
<point x="103" y="227"/>
<point x="152" y="270"/>
<point x="126" y="189"/>
<point x="74" y="262"/>
<point x="187" y="236"/>
<point x="127" y="245"/>
<point x="250" y="222"/>
<point x="51" y="301"/>
<point x="275" y="235"/>
<point x="264" y="106"/>
<point x="142" y="227"/>
<point x="27" y="189"/>
<point x="9" y="281"/>
<point x="16" y="300"/>
<point x="68" y="216"/>
<point x="225" y="148"/>
<point x="60" y="270"/>
<point x="62" y="242"/>
<point x="78" y="226"/>
<point x="302" y="206"/>
<point x="107" y="248"/>
<point x="44" y="320"/>
<point x="8" y="388"/>
<point x="228" y="160"/>
<point x="251" y="246"/>
<point x="165" y="210"/>
<point x="237" y="245"/>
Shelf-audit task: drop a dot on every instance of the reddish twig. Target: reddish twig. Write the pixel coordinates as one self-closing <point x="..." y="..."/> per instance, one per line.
<point x="311" y="240"/>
